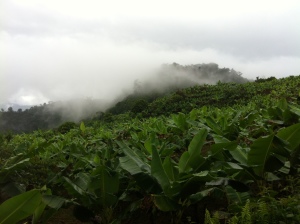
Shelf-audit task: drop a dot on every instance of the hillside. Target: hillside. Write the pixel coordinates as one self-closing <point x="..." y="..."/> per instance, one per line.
<point x="173" y="77"/>
<point x="233" y="156"/>
<point x="261" y="92"/>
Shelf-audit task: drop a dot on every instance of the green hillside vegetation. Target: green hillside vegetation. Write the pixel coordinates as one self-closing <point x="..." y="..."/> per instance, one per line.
<point x="261" y="91"/>
<point x="224" y="153"/>
<point x="48" y="116"/>
<point x="172" y="78"/>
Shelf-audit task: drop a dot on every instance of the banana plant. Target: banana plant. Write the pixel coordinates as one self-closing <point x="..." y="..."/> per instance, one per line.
<point x="30" y="203"/>
<point x="169" y="182"/>
<point x="291" y="135"/>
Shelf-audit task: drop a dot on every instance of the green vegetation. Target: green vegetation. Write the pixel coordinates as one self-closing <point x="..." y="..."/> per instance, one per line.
<point x="175" y="77"/>
<point x="261" y="92"/>
<point x="228" y="153"/>
<point x="48" y="116"/>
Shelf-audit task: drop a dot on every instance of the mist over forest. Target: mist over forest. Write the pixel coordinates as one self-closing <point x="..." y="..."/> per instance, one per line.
<point x="168" y="78"/>
<point x="176" y="76"/>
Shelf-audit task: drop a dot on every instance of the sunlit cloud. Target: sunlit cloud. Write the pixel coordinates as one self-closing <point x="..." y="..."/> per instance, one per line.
<point x="28" y="97"/>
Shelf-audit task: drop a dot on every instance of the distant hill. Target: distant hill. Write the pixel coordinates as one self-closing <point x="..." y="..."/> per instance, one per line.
<point x="173" y="77"/>
<point x="220" y="95"/>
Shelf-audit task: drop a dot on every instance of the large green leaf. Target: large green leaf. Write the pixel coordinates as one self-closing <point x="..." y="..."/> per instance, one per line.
<point x="291" y="134"/>
<point x="194" y="198"/>
<point x="17" y="164"/>
<point x="213" y="125"/>
<point x="282" y="104"/>
<point x="129" y="165"/>
<point x="246" y="175"/>
<point x="19" y="207"/>
<point x="259" y="154"/>
<point x="193" y="114"/>
<point x="105" y="183"/>
<point x="295" y="110"/>
<point x="40" y="209"/>
<point x="239" y="154"/>
<point x="143" y="178"/>
<point x="192" y="158"/>
<point x="235" y="197"/>
<point x="134" y="157"/>
<point x="217" y="149"/>
<point x="184" y="162"/>
<point x="82" y="127"/>
<point x="280" y="147"/>
<point x="82" y="180"/>
<point x="195" y="182"/>
<point x="38" y="212"/>
<point x="79" y="186"/>
<point x="73" y="188"/>
<point x="13" y="163"/>
<point x="53" y="201"/>
<point x="231" y="168"/>
<point x="164" y="203"/>
<point x="181" y="121"/>
<point x="158" y="171"/>
<point x="170" y="169"/>
<point x="148" y="145"/>
<point x="247" y="120"/>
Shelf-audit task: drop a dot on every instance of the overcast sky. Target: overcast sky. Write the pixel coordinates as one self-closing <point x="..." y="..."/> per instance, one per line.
<point x="60" y="49"/>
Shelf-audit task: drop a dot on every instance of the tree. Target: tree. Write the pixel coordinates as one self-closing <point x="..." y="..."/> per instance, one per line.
<point x="10" y="109"/>
<point x="139" y="106"/>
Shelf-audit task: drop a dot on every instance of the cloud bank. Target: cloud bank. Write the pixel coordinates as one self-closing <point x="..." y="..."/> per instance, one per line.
<point x="57" y="50"/>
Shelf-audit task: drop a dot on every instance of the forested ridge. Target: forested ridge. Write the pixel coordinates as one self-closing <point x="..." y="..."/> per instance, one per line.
<point x="209" y="153"/>
<point x="48" y="116"/>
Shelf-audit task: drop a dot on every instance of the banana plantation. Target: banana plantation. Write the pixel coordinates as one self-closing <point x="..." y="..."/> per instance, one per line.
<point x="233" y="160"/>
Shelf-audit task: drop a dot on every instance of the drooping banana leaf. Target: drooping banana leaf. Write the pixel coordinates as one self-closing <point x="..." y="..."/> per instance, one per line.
<point x="20" y="207"/>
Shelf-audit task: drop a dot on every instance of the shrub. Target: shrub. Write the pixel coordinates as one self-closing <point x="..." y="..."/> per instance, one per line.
<point x="66" y="127"/>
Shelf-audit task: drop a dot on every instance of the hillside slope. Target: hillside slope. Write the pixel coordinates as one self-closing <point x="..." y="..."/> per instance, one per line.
<point x="262" y="92"/>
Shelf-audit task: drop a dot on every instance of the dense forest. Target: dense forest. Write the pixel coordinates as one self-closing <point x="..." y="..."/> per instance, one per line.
<point x="48" y="116"/>
<point x="227" y="151"/>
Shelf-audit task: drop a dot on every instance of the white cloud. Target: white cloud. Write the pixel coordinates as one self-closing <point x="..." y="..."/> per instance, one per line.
<point x="189" y="10"/>
<point x="27" y="97"/>
<point x="64" y="49"/>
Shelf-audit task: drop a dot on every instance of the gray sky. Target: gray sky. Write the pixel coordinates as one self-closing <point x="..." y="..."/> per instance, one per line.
<point x="62" y="49"/>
